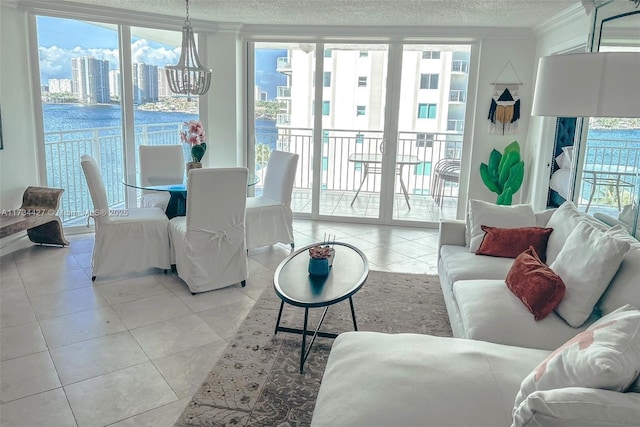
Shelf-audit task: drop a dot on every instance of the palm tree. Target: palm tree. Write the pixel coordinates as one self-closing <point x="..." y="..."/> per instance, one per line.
<point x="263" y="152"/>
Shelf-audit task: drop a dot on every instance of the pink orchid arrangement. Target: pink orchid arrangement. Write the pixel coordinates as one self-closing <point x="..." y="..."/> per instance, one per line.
<point x="194" y="136"/>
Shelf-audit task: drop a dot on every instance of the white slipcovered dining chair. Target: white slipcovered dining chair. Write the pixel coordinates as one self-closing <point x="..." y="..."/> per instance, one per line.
<point x="159" y="164"/>
<point x="269" y="216"/>
<point x="126" y="241"/>
<point x="209" y="243"/>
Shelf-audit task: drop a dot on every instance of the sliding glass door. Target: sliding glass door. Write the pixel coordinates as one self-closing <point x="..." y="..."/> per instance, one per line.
<point x="367" y="152"/>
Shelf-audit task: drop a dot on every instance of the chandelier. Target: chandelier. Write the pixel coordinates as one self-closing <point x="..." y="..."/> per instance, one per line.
<point x="188" y="76"/>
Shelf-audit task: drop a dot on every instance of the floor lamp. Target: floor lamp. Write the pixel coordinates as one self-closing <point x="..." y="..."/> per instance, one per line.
<point x="602" y="84"/>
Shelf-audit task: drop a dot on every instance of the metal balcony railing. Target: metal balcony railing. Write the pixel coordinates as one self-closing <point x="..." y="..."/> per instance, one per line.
<point x="283" y="119"/>
<point x="283" y="92"/>
<point x="459" y="66"/>
<point x="455" y="125"/>
<point x="457" y="96"/>
<point x="63" y="151"/>
<point x="62" y="161"/>
<point x="283" y="64"/>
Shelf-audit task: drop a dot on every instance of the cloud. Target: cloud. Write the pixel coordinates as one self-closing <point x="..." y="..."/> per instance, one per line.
<point x="141" y="52"/>
<point x="55" y="62"/>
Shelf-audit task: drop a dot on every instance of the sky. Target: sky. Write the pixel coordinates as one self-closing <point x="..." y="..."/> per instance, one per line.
<point x="59" y="40"/>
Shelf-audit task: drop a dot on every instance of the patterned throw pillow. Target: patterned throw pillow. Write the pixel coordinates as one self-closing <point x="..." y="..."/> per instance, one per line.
<point x="604" y="356"/>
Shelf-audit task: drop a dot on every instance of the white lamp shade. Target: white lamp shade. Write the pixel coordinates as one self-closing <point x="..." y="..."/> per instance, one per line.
<point x="605" y="84"/>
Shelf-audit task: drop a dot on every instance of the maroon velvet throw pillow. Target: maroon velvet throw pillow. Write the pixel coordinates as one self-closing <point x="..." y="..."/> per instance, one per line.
<point x="511" y="242"/>
<point x="537" y="286"/>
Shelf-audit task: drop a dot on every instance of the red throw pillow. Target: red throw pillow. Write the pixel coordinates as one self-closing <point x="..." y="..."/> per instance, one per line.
<point x="511" y="242"/>
<point x="537" y="286"/>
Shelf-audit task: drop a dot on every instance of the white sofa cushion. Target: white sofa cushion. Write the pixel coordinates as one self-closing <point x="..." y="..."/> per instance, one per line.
<point x="578" y="407"/>
<point x="563" y="221"/>
<point x="484" y="213"/>
<point x="460" y="264"/>
<point x="606" y="355"/>
<point x="375" y="379"/>
<point x="625" y="286"/>
<point x="490" y="312"/>
<point x="586" y="264"/>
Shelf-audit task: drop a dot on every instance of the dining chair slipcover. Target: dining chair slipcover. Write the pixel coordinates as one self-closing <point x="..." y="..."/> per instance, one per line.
<point x="126" y="241"/>
<point x="209" y="242"/>
<point x="159" y="165"/>
<point x="269" y="216"/>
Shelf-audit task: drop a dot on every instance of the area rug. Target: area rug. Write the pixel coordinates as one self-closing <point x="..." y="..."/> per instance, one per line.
<point x="256" y="382"/>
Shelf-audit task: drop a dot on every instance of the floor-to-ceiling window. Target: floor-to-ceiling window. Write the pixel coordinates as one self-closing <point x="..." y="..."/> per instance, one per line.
<point x="81" y="107"/>
<point x="344" y="108"/>
<point x="94" y="104"/>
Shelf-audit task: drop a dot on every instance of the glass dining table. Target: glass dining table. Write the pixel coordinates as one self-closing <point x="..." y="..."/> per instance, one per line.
<point x="178" y="193"/>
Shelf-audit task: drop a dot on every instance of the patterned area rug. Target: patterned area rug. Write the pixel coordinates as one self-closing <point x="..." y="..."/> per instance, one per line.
<point x="257" y="381"/>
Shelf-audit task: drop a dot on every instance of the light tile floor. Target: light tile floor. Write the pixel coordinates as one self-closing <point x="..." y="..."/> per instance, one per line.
<point x="132" y="350"/>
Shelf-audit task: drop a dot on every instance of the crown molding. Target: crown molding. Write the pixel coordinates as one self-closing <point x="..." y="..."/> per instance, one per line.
<point x="107" y="14"/>
<point x="577" y="11"/>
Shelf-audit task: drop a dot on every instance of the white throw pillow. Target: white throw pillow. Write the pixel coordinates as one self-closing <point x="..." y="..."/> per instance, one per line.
<point x="586" y="264"/>
<point x="485" y="213"/>
<point x="567" y="159"/>
<point x="578" y="406"/>
<point x="563" y="221"/>
<point x="606" y="356"/>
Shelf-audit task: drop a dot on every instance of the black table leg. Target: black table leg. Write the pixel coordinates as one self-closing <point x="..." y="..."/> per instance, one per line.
<point x="304" y="338"/>
<point x="353" y="315"/>
<point x="279" y="317"/>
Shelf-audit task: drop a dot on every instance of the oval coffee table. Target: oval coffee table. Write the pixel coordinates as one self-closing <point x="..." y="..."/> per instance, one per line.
<point x="295" y="286"/>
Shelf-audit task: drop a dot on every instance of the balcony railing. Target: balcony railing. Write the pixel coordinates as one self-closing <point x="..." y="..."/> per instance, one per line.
<point x="62" y="160"/>
<point x="459" y="66"/>
<point x="283" y="92"/>
<point x="455" y="125"/>
<point x="63" y="151"/>
<point x="283" y="64"/>
<point x="457" y="96"/>
<point x="283" y="119"/>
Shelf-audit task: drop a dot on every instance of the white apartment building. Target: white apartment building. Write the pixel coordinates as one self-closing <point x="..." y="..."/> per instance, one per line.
<point x="431" y="109"/>
<point x="114" y="84"/>
<point x="60" y="86"/>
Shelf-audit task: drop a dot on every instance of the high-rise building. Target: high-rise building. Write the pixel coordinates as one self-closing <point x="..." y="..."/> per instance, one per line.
<point x="60" y="86"/>
<point x="90" y="80"/>
<point x="145" y="83"/>
<point x="163" y="84"/>
<point x="114" y="83"/>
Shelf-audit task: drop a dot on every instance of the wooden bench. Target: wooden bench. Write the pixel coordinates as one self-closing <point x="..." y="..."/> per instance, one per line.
<point x="37" y="215"/>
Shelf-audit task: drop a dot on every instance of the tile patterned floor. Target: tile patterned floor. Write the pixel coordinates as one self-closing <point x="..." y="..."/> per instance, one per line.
<point x="131" y="350"/>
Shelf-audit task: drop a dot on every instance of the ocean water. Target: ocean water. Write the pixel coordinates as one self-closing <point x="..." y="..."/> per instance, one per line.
<point x="64" y="117"/>
<point x="67" y="117"/>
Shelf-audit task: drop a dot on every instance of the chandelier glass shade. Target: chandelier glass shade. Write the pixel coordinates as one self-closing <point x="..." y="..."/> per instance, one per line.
<point x="188" y="76"/>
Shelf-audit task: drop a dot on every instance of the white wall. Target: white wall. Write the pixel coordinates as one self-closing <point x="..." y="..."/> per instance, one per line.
<point x="18" y="160"/>
<point x="494" y="54"/>
<point x="567" y="33"/>
<point x="224" y="116"/>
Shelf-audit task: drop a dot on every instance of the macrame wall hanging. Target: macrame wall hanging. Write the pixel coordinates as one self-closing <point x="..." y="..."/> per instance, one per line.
<point x="504" y="112"/>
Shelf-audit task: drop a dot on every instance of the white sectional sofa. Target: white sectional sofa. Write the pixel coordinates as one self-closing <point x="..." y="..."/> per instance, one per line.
<point x="374" y="379"/>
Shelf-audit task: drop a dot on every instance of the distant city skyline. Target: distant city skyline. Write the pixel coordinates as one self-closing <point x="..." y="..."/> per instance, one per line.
<point x="59" y="44"/>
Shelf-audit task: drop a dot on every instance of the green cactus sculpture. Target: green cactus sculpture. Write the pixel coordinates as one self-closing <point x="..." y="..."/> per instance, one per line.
<point x="504" y="173"/>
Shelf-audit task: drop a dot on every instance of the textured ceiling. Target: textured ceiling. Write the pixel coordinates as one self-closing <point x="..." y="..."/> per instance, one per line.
<point x="473" y="13"/>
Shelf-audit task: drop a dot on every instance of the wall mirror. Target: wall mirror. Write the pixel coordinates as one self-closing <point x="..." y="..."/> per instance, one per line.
<point x="609" y="176"/>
